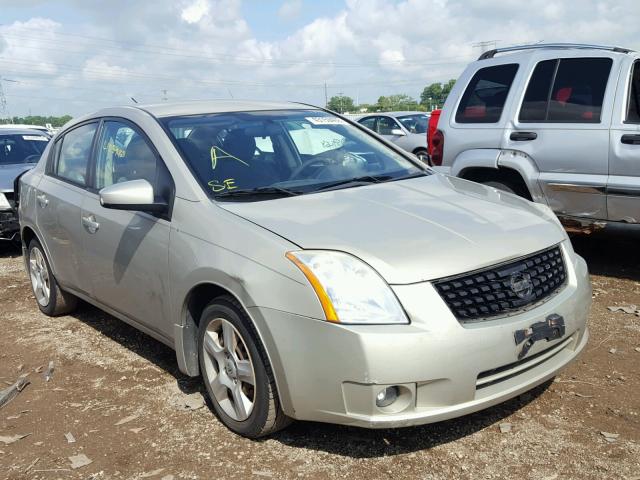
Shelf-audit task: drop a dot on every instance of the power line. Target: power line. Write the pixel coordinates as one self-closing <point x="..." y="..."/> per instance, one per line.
<point x="173" y="52"/>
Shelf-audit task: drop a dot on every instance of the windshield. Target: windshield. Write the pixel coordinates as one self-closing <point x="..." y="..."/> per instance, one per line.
<point x="415" y="123"/>
<point x="16" y="149"/>
<point x="286" y="152"/>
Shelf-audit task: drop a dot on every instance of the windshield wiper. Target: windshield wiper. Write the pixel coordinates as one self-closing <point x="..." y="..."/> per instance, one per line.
<point x="362" y="179"/>
<point x="369" y="179"/>
<point x="267" y="191"/>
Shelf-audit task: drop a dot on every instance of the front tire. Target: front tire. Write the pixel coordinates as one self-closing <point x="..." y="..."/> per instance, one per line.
<point x="51" y="299"/>
<point x="236" y="371"/>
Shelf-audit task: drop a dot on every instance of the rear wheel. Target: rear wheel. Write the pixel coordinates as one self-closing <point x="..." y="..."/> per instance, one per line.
<point x="236" y="371"/>
<point x="504" y="186"/>
<point x="52" y="300"/>
<point x="422" y="155"/>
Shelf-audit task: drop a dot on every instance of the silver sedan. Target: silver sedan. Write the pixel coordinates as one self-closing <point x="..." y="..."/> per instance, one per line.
<point x="303" y="266"/>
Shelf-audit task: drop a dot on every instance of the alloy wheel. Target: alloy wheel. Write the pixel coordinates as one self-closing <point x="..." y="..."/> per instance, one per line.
<point x="39" y="277"/>
<point x="229" y="369"/>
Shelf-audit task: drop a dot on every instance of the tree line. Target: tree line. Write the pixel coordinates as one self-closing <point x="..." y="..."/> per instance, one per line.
<point x="432" y="97"/>
<point x="38" y="120"/>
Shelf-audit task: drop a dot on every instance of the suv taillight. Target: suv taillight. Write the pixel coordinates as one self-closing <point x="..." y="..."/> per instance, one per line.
<point x="437" y="148"/>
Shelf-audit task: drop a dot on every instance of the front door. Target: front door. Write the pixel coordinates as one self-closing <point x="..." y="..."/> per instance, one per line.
<point x="128" y="250"/>
<point x="623" y="188"/>
<point x="59" y="199"/>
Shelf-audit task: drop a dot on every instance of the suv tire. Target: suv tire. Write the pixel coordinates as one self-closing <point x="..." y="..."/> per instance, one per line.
<point x="51" y="299"/>
<point x="237" y="376"/>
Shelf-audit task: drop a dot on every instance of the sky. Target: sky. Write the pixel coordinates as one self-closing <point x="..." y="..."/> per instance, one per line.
<point x="76" y="56"/>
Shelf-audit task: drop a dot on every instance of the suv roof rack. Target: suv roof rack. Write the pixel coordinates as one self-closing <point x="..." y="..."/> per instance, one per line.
<point x="537" y="46"/>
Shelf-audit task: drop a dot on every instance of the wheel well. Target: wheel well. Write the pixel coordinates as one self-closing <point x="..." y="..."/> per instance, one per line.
<point x="505" y="175"/>
<point x="199" y="297"/>
<point x="419" y="149"/>
<point x="27" y="236"/>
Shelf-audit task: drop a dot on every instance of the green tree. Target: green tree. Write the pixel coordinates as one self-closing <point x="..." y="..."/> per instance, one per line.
<point x="41" y="120"/>
<point x="434" y="95"/>
<point x="341" y="104"/>
<point x="396" y="102"/>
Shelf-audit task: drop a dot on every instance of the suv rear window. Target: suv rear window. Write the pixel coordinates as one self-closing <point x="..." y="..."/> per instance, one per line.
<point x="568" y="90"/>
<point x="486" y="94"/>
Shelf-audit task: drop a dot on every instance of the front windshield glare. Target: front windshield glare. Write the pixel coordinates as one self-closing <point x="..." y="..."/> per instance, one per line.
<point x="282" y="152"/>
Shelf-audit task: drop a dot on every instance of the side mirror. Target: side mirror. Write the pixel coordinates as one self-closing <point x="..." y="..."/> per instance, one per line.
<point x="398" y="132"/>
<point x="132" y="195"/>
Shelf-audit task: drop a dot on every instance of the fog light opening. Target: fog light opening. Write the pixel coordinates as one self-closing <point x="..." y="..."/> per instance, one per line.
<point x="387" y="396"/>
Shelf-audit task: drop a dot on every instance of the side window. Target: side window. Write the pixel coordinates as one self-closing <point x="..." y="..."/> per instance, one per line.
<point x="74" y="154"/>
<point x="386" y="124"/>
<point x="574" y="89"/>
<point x="633" y="107"/>
<point x="536" y="98"/>
<point x="369" y="123"/>
<point x="124" y="155"/>
<point x="486" y="94"/>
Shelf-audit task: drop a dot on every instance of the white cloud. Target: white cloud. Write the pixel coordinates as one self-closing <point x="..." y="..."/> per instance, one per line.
<point x="196" y="11"/>
<point x="290" y="9"/>
<point x="203" y="48"/>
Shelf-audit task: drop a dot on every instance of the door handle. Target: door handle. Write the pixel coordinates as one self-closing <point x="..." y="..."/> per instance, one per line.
<point x="523" y="136"/>
<point x="42" y="199"/>
<point x="90" y="224"/>
<point x="630" y="139"/>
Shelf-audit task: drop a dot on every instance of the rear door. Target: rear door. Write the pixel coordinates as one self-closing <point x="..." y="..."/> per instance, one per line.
<point x="623" y="187"/>
<point x="477" y="120"/>
<point x="562" y="124"/>
<point x="127" y="250"/>
<point x="59" y="199"/>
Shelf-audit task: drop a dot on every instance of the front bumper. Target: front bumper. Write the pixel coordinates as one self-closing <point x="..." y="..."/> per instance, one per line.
<point x="332" y="373"/>
<point x="9" y="227"/>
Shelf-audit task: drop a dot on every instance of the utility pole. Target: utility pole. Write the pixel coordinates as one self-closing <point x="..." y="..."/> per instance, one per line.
<point x="340" y="96"/>
<point x="326" y="97"/>
<point x="164" y="94"/>
<point x="4" y="111"/>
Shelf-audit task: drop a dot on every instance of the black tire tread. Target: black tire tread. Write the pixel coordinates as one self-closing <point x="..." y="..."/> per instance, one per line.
<point x="276" y="419"/>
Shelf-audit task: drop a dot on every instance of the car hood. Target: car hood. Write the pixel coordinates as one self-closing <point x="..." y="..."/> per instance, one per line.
<point x="411" y="230"/>
<point x="8" y="174"/>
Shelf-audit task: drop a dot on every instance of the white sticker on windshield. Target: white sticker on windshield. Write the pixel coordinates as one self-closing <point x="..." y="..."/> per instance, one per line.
<point x="39" y="138"/>
<point x="326" y="120"/>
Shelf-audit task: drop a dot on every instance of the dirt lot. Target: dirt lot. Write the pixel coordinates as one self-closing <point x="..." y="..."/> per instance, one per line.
<point x="107" y="373"/>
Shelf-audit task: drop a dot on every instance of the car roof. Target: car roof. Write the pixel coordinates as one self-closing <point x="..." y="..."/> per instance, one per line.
<point x="22" y="131"/>
<point x="201" y="107"/>
<point x="570" y="49"/>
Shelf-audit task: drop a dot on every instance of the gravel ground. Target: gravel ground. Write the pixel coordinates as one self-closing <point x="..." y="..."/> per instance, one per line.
<point x="133" y="415"/>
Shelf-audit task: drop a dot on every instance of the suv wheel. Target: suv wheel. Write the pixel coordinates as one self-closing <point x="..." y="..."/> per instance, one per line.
<point x="504" y="186"/>
<point x="423" y="156"/>
<point x="236" y="371"/>
<point x="52" y="300"/>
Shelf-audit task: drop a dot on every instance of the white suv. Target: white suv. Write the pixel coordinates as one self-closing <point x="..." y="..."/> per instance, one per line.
<point x="558" y="124"/>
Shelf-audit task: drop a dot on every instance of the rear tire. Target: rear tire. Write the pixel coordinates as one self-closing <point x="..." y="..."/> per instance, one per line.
<point x="504" y="186"/>
<point x="423" y="156"/>
<point x="236" y="371"/>
<point x="51" y="299"/>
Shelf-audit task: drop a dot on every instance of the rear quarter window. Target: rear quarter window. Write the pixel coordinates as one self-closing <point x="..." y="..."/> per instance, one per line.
<point x="486" y="94"/>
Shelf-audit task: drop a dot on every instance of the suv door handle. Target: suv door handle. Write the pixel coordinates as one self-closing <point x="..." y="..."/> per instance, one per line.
<point x="90" y="224"/>
<point x="630" y="139"/>
<point x="42" y="199"/>
<point x="523" y="136"/>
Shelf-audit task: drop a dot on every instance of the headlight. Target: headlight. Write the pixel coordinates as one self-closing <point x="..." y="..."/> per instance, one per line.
<point x="349" y="290"/>
<point x="4" y="203"/>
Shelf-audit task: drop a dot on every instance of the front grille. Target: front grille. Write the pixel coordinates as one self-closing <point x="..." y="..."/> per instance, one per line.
<point x="506" y="288"/>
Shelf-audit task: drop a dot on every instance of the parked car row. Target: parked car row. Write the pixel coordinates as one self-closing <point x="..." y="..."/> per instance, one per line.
<point x="20" y="150"/>
<point x="303" y="265"/>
